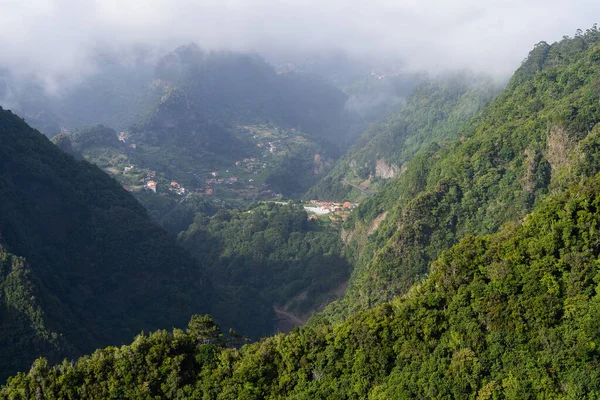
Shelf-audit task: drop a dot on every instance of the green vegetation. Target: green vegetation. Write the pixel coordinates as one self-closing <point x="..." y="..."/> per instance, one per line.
<point x="23" y="325"/>
<point x="536" y="137"/>
<point x="435" y="110"/>
<point x="97" y="269"/>
<point x="218" y="108"/>
<point x="203" y="113"/>
<point x="264" y="161"/>
<point x="476" y="270"/>
<point x="510" y="315"/>
<point x="273" y="253"/>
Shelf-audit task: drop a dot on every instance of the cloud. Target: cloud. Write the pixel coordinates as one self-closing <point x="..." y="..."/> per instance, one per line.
<point x="57" y="37"/>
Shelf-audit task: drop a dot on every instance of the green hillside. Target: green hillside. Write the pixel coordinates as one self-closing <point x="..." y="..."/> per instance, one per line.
<point x="23" y="331"/>
<point x="231" y="114"/>
<point x="475" y="276"/>
<point x="509" y="315"/>
<point x="219" y="108"/>
<point x="434" y="111"/>
<point x="533" y="139"/>
<point x="272" y="253"/>
<point x="82" y="264"/>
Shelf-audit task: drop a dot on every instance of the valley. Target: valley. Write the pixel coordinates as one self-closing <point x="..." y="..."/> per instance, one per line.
<point x="245" y="179"/>
<point x="183" y="222"/>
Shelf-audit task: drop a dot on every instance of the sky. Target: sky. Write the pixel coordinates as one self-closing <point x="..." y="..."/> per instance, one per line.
<point x="53" y="37"/>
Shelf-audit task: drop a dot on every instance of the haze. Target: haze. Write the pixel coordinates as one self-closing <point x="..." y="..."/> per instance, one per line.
<point x="56" y="37"/>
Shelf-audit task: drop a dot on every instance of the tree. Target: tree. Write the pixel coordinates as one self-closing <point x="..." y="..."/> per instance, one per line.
<point x="204" y="329"/>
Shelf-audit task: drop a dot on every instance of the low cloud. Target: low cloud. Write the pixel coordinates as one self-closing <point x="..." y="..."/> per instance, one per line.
<point x="56" y="39"/>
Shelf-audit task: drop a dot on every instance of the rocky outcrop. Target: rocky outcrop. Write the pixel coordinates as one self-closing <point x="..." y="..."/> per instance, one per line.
<point x="319" y="165"/>
<point x="385" y="171"/>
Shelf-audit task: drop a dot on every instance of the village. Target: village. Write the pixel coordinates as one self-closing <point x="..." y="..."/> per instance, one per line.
<point x="174" y="187"/>
<point x="244" y="179"/>
<point x="318" y="208"/>
<point x="213" y="181"/>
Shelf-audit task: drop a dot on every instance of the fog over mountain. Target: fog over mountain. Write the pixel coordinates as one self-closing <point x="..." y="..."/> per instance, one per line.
<point x="58" y="40"/>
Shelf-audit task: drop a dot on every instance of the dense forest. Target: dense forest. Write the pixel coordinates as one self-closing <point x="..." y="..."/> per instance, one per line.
<point x="72" y="240"/>
<point x="433" y="113"/>
<point x="86" y="250"/>
<point x="473" y="269"/>
<point x="509" y="315"/>
<point x="273" y="252"/>
<point x="536" y="137"/>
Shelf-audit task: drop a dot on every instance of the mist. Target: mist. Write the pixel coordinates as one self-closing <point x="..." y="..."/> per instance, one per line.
<point x="58" y="40"/>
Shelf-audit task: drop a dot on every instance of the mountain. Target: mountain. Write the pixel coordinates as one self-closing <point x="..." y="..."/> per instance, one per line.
<point x="245" y="87"/>
<point x="433" y="112"/>
<point x="375" y="85"/>
<point x="219" y="108"/>
<point x="509" y="315"/>
<point x="475" y="272"/>
<point x="533" y="139"/>
<point x="83" y="265"/>
<point x="202" y="114"/>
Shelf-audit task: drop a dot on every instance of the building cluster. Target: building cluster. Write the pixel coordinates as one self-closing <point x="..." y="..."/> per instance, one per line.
<point x="328" y="206"/>
<point x="246" y="167"/>
<point x="177" y="188"/>
<point x="151" y="183"/>
<point x="270" y="146"/>
<point x="251" y="164"/>
<point x="213" y="181"/>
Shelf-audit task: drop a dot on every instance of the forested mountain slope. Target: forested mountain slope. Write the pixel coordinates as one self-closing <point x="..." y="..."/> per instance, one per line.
<point x="433" y="113"/>
<point x="210" y="105"/>
<point x="274" y="255"/>
<point x="476" y="271"/>
<point x="509" y="315"/>
<point x="82" y="264"/>
<point x="539" y="134"/>
<point x="24" y="334"/>
<point x="203" y="114"/>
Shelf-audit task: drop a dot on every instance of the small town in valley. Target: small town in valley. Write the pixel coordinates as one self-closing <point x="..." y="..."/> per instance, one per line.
<point x="327" y="207"/>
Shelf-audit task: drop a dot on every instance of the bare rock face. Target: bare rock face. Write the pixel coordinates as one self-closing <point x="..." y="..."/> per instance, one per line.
<point x="385" y="171"/>
<point x="558" y="148"/>
<point x="319" y="164"/>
